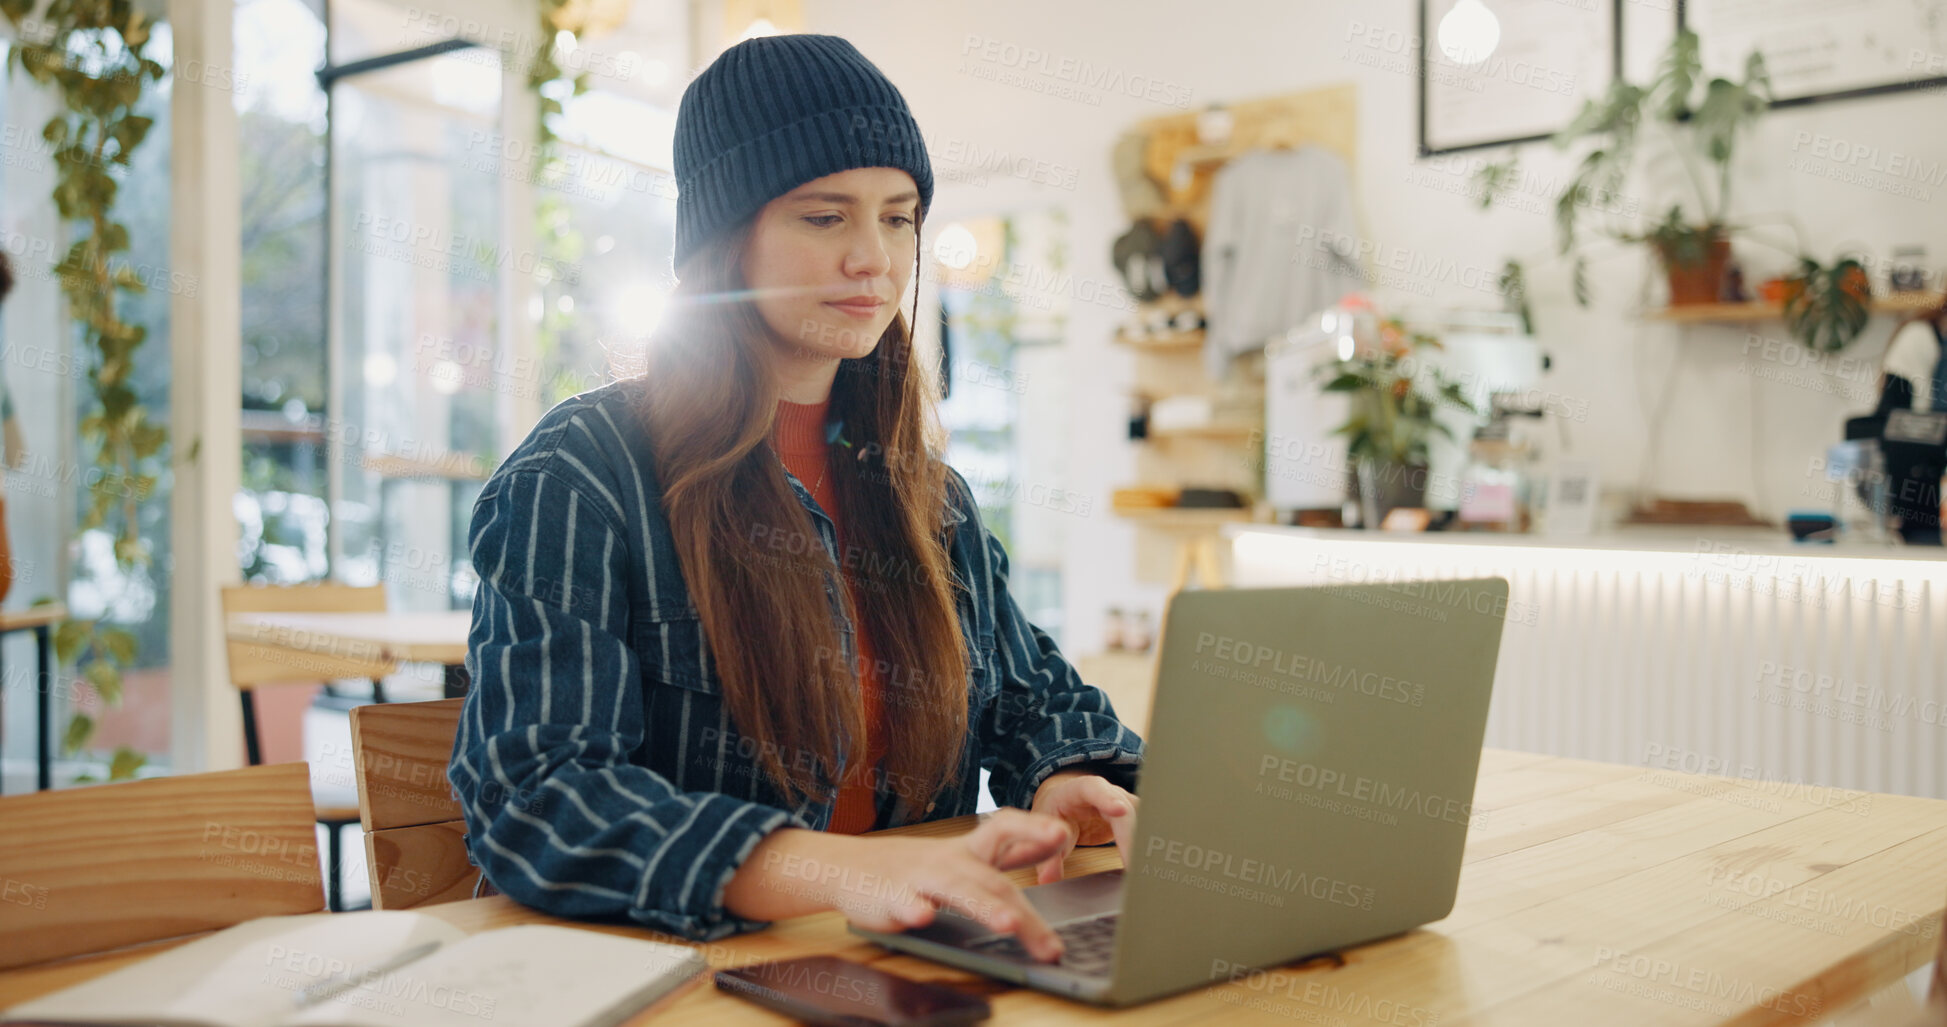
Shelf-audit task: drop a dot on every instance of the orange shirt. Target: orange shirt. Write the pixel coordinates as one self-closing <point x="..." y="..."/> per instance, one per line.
<point x="799" y="438"/>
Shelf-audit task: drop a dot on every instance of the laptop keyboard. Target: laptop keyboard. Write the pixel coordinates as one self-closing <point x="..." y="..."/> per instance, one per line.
<point x="1088" y="945"/>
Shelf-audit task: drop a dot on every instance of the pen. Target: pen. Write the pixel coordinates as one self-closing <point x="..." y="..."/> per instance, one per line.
<point x="325" y="989"/>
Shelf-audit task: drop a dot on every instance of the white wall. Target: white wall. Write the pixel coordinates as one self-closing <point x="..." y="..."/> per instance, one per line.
<point x="1731" y="427"/>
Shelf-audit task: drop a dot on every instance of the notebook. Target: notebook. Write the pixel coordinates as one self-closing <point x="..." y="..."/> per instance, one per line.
<point x="251" y="975"/>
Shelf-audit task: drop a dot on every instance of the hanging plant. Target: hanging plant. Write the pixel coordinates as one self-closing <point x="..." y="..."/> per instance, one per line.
<point x="1703" y="119"/>
<point x="553" y="86"/>
<point x="90" y="52"/>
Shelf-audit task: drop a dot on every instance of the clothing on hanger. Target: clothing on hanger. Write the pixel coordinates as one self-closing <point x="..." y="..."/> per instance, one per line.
<point x="1280" y="247"/>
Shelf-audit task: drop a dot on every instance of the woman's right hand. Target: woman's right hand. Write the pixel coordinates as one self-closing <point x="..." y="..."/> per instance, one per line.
<point x="893" y="884"/>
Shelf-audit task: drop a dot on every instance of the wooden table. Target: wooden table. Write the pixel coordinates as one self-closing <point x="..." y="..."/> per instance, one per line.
<point x="402" y="637"/>
<point x="1593" y="894"/>
<point x="40" y="620"/>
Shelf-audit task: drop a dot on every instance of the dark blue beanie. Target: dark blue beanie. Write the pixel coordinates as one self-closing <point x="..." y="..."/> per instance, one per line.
<point x="775" y="112"/>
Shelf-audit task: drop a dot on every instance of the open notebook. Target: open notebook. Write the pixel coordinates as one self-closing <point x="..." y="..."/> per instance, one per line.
<point x="251" y="975"/>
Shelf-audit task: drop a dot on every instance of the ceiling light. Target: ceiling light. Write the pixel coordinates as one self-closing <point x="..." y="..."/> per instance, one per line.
<point x="1469" y="32"/>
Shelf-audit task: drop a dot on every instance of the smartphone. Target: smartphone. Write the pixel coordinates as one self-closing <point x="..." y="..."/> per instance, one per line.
<point x="833" y="992"/>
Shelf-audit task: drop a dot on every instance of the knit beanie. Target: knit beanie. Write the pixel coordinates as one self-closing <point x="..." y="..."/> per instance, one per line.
<point x="775" y="112"/>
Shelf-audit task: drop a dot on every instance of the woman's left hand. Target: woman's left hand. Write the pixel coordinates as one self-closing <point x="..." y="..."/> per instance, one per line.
<point x="1095" y="810"/>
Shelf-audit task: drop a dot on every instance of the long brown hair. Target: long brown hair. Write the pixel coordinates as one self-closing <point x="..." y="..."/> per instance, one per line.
<point x="753" y="560"/>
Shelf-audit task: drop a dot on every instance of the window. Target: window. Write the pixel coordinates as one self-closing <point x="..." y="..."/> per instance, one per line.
<point x="281" y="109"/>
<point x="46" y="369"/>
<point x="1002" y="287"/>
<point x="422" y="374"/>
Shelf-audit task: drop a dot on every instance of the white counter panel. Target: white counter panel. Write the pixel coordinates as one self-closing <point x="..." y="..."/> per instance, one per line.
<point x="1734" y="653"/>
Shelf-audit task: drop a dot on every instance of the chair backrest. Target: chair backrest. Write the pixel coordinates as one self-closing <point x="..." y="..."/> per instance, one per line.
<point x="253" y="665"/>
<point x="415" y="847"/>
<point x="88" y="869"/>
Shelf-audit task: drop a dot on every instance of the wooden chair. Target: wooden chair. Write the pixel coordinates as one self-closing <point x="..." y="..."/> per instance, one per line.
<point x="89" y="869"/>
<point x="258" y="666"/>
<point x="415" y="837"/>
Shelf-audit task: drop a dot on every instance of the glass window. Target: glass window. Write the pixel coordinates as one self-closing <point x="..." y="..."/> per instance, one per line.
<point x="362" y="29"/>
<point x="607" y="216"/>
<point x="281" y="507"/>
<point x="45" y="371"/>
<point x="418" y="256"/>
<point x="1002" y="284"/>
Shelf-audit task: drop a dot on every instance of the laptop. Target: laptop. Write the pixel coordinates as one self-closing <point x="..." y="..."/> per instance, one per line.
<point x="1307" y="786"/>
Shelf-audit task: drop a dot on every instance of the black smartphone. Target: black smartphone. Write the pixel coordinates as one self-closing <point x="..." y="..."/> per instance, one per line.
<point x="833" y="992"/>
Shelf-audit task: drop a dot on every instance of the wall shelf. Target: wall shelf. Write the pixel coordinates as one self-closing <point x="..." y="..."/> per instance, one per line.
<point x="1759" y="310"/>
<point x="1176" y="342"/>
<point x="1192" y="517"/>
<point x="1208" y="432"/>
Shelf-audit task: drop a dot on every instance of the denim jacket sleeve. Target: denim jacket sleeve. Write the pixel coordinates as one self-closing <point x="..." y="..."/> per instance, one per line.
<point x="1043" y="718"/>
<point x="557" y="814"/>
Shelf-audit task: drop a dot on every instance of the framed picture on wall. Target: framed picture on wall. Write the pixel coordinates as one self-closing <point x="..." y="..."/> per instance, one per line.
<point x="1816" y="50"/>
<point x="1494" y="72"/>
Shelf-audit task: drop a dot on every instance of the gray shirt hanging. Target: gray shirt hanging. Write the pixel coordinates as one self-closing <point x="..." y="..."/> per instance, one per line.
<point x="1281" y="246"/>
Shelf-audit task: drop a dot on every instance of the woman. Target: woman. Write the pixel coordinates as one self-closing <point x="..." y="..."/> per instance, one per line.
<point x="736" y="611"/>
<point x="1913" y="376"/>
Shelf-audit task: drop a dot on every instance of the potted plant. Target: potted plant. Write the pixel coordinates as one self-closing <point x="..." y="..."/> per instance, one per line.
<point x="1701" y="122"/>
<point x="1694" y="257"/>
<point x="1394" y="400"/>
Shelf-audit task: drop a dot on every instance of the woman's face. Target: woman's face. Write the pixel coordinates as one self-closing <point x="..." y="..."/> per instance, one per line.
<point x="844" y="237"/>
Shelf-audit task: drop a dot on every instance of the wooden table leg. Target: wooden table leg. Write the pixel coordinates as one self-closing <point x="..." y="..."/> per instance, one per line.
<point x="1210" y="570"/>
<point x="1185" y="559"/>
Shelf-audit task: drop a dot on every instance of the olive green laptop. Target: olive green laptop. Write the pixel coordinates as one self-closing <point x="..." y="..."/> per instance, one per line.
<point x="1307" y="786"/>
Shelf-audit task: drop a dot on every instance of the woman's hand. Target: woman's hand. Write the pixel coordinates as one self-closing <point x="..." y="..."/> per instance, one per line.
<point x="1094" y="809"/>
<point x="893" y="884"/>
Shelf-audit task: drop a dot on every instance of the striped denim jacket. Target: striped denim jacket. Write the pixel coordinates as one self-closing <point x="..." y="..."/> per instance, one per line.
<point x="595" y="762"/>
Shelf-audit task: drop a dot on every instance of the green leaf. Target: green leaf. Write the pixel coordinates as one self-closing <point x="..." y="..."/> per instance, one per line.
<point x="1513" y="283"/>
<point x="1727" y="108"/>
<point x="129" y="550"/>
<point x="81" y="727"/>
<point x="69" y="636"/>
<point x="1492" y="178"/>
<point x="1824" y="314"/>
<point x="1677" y="75"/>
<point x="147" y="440"/>
<point x="1575" y="196"/>
<point x="1757" y="78"/>
<point x="106" y="680"/>
<point x="126" y="763"/>
<point x="120" y="644"/>
<point x="1615" y="115"/>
